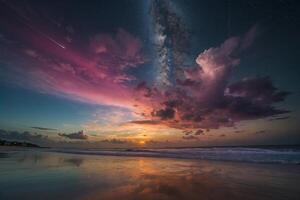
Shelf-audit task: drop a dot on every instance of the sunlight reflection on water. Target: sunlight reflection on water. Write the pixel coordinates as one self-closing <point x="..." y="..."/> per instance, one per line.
<point x="45" y="175"/>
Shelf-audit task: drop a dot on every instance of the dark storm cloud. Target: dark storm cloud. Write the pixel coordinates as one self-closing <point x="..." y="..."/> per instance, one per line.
<point x="43" y="128"/>
<point x="77" y="135"/>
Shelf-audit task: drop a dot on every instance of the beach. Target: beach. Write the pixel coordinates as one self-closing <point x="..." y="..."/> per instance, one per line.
<point x="41" y="174"/>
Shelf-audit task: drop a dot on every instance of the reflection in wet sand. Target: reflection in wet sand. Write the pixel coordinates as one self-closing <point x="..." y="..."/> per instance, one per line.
<point x="75" y="161"/>
<point x="42" y="175"/>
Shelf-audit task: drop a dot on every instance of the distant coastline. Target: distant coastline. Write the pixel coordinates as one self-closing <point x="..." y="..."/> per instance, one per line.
<point x="18" y="144"/>
<point x="269" y="146"/>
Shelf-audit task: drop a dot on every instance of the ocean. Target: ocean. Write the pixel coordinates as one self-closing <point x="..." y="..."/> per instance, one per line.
<point x="263" y="154"/>
<point x="150" y="174"/>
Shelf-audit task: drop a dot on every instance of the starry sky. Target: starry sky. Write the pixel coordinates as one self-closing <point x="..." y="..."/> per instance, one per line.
<point x="151" y="73"/>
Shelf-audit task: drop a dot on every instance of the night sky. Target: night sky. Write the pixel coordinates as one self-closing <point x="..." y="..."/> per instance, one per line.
<point x="150" y="73"/>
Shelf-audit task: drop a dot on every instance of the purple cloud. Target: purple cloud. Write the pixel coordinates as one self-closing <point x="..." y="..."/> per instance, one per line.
<point x="203" y="98"/>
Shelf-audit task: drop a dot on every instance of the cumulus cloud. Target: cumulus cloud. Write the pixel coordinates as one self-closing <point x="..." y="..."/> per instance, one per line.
<point x="80" y="135"/>
<point x="205" y="99"/>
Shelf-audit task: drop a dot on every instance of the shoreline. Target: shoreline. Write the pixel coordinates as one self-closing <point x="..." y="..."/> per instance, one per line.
<point x="293" y="159"/>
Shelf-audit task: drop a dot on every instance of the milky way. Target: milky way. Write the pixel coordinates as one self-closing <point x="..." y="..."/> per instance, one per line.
<point x="171" y="42"/>
<point x="199" y="96"/>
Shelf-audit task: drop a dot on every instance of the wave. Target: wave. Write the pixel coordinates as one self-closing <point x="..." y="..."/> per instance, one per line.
<point x="242" y="154"/>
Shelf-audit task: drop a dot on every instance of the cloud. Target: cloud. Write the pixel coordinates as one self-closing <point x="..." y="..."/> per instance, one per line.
<point x="253" y="98"/>
<point x="260" y="132"/>
<point x="239" y="131"/>
<point x="22" y="136"/>
<point x="43" y="128"/>
<point x="77" y="135"/>
<point x="189" y="137"/>
<point x="147" y="122"/>
<point x="205" y="99"/>
<point x="199" y="132"/>
<point x="279" y="118"/>
<point x="192" y="135"/>
<point x="196" y="97"/>
<point x="256" y="89"/>
<point x="89" y="73"/>
<point x="187" y="132"/>
<point x="114" y="141"/>
<point x="165" y="113"/>
<point x="250" y="36"/>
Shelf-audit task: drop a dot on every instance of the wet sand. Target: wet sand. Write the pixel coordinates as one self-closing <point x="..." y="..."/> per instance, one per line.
<point x="34" y="174"/>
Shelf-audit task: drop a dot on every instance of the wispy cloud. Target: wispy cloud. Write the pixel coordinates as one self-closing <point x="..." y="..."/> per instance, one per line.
<point x="44" y="61"/>
<point x="43" y="128"/>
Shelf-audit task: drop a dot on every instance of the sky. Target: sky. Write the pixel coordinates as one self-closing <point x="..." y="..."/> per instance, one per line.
<point x="151" y="73"/>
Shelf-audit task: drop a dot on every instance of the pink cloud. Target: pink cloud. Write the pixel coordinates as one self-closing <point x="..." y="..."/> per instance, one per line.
<point x="95" y="73"/>
<point x="98" y="73"/>
<point x="249" y="37"/>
